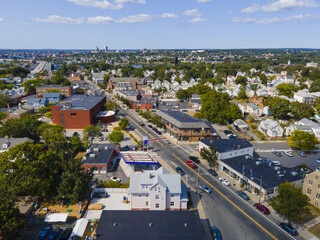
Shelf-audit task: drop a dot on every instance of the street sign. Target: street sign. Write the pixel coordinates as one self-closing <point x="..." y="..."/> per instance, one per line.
<point x="145" y="141"/>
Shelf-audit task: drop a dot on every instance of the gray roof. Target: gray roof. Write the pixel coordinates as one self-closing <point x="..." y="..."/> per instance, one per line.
<point x="12" y="142"/>
<point x="54" y="86"/>
<point x="308" y="122"/>
<point x="253" y="106"/>
<point x="139" y="81"/>
<point x="80" y="102"/>
<point x="102" y="155"/>
<point x="240" y="122"/>
<point x="227" y="145"/>
<point x="130" y="93"/>
<point x="183" y="120"/>
<point x="269" y="124"/>
<point x="303" y="127"/>
<point x="135" y="225"/>
<point x="51" y="95"/>
<point x="195" y="96"/>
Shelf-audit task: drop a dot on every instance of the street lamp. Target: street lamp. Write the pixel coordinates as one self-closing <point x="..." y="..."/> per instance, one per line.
<point x="260" y="187"/>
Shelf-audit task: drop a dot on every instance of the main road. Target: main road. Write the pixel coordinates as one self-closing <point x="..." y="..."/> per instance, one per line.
<point x="236" y="218"/>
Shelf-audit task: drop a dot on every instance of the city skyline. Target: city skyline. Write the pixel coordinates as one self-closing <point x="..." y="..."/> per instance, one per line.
<point x="136" y="24"/>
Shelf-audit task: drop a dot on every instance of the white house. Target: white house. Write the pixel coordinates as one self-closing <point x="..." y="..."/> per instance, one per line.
<point x="304" y="96"/>
<point x="271" y="128"/>
<point x="157" y="190"/>
<point x="254" y="109"/>
<point x="314" y="126"/>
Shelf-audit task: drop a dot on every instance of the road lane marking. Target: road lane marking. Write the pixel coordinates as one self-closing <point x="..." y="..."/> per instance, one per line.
<point x="227" y="199"/>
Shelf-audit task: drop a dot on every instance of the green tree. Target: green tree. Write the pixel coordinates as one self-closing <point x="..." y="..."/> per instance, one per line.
<point x="263" y="79"/>
<point x="210" y="155"/>
<point x="301" y="110"/>
<point x="317" y="104"/>
<point x="110" y="105"/>
<point x="315" y="86"/>
<point x="116" y="136"/>
<point x="242" y="94"/>
<point x="182" y="94"/>
<point x="3" y="115"/>
<point x="286" y="89"/>
<point x="290" y="201"/>
<point x="302" y="140"/>
<point x="279" y="108"/>
<point x="241" y="80"/>
<point x="5" y="101"/>
<point x="90" y="132"/>
<point x="124" y="123"/>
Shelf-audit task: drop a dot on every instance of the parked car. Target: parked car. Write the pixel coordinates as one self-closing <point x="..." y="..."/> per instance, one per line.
<point x="288" y="228"/>
<point x="180" y="171"/>
<point x="194" y="159"/>
<point x="276" y="163"/>
<point x="205" y="189"/>
<point x="166" y="141"/>
<point x="65" y="234"/>
<point x="150" y="126"/>
<point x="126" y="148"/>
<point x="212" y="172"/>
<point x="288" y="153"/>
<point x="227" y="132"/>
<point x="133" y="147"/>
<point x="318" y="160"/>
<point x="277" y="153"/>
<point x="224" y="181"/>
<point x="115" y="179"/>
<point x="184" y="111"/>
<point x="216" y="234"/>
<point x="262" y="208"/>
<point x="54" y="234"/>
<point x="131" y="127"/>
<point x="243" y="195"/>
<point x="262" y="158"/>
<point x="232" y="136"/>
<point x="301" y="153"/>
<point x="191" y="164"/>
<point x="44" y="232"/>
<point x="141" y="124"/>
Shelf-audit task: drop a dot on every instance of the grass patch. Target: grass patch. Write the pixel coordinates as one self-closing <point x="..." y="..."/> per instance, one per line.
<point x="259" y="134"/>
<point x="315" y="230"/>
<point x="307" y="216"/>
<point x="80" y="155"/>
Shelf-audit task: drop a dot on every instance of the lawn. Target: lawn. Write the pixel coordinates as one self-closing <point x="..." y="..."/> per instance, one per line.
<point x="315" y="230"/>
<point x="306" y="217"/>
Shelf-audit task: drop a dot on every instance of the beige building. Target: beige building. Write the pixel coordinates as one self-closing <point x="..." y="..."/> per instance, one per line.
<point x="311" y="187"/>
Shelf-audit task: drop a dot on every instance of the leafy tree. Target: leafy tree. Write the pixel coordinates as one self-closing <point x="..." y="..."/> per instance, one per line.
<point x="90" y="132"/>
<point x="110" y="105"/>
<point x="315" y="86"/>
<point x="301" y="110"/>
<point x="317" y="104"/>
<point x="54" y="136"/>
<point x="286" y="89"/>
<point x="124" y="123"/>
<point x="302" y="140"/>
<point x="290" y="201"/>
<point x="3" y="115"/>
<point x="241" y="80"/>
<point x="156" y="120"/>
<point x="5" y="101"/>
<point x="182" y="94"/>
<point x="210" y="155"/>
<point x="76" y="145"/>
<point x="263" y="79"/>
<point x="116" y="136"/>
<point x="242" y="94"/>
<point x="75" y="183"/>
<point x="279" y="108"/>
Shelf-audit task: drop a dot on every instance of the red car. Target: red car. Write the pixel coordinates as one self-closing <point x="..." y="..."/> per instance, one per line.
<point x="262" y="208"/>
<point x="191" y="164"/>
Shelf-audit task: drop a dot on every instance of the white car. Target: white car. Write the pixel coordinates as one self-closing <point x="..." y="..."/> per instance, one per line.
<point x="288" y="153"/>
<point x="166" y="141"/>
<point x="115" y="179"/>
<point x="318" y="160"/>
<point x="224" y="181"/>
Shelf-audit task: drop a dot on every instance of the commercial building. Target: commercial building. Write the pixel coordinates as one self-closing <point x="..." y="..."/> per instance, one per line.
<point x="145" y="103"/>
<point x="136" y="83"/>
<point x="64" y="90"/>
<point x="186" y="128"/>
<point x="157" y="190"/>
<point x="79" y="111"/>
<point x="311" y="187"/>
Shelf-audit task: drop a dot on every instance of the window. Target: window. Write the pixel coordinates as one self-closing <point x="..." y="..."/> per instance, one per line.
<point x="172" y="194"/>
<point x="310" y="182"/>
<point x="157" y="205"/>
<point x="309" y="191"/>
<point x="319" y="186"/>
<point x="147" y="203"/>
<point x="317" y="196"/>
<point x="316" y="203"/>
<point x="61" y="114"/>
<point x="196" y="131"/>
<point x="316" y="177"/>
<point x="147" y="194"/>
<point x="139" y="195"/>
<point x="73" y="114"/>
<point x="172" y="203"/>
<point x="185" y="131"/>
<point x="157" y="196"/>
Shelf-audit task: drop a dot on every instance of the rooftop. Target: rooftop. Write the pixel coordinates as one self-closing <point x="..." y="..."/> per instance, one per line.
<point x="99" y="154"/>
<point x="145" y="225"/>
<point x="12" y="142"/>
<point x="54" y="86"/>
<point x="105" y="113"/>
<point x="227" y="145"/>
<point x="138" y="157"/>
<point x="80" y="102"/>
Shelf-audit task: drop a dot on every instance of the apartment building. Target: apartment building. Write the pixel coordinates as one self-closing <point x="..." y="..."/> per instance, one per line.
<point x="64" y="90"/>
<point x="311" y="187"/>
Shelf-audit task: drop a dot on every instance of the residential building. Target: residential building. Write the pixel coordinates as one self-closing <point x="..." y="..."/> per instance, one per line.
<point x="79" y="111"/>
<point x="145" y="103"/>
<point x="186" y="128"/>
<point x="304" y="96"/>
<point x="312" y="64"/>
<point x="124" y="86"/>
<point x="7" y="143"/>
<point x="313" y="125"/>
<point x="254" y="109"/>
<point x="64" y="90"/>
<point x="52" y="97"/>
<point x="271" y="128"/>
<point x="130" y="95"/>
<point x="37" y="103"/>
<point x="21" y="110"/>
<point x="137" y="83"/>
<point x="311" y="187"/>
<point x="293" y="127"/>
<point x="157" y="190"/>
<point x="240" y="124"/>
<point x="101" y="157"/>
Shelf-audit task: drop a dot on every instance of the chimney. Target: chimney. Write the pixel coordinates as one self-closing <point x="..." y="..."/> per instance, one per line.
<point x="19" y="105"/>
<point x="61" y="85"/>
<point x="150" y="176"/>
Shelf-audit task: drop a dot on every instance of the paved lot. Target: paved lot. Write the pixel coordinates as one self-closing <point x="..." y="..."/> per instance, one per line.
<point x="182" y="105"/>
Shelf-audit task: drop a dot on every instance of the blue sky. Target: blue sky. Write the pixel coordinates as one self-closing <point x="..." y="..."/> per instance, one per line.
<point x="135" y="24"/>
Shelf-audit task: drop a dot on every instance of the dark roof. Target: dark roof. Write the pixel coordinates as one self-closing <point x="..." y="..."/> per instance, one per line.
<point x="139" y="81"/>
<point x="50" y="95"/>
<point x="80" y="102"/>
<point x="101" y="156"/>
<point x="227" y="145"/>
<point x="54" y="86"/>
<point x="269" y="175"/>
<point x="135" y="225"/>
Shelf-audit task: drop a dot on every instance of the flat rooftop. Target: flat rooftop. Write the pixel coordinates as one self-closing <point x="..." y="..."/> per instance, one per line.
<point x="98" y="154"/>
<point x="105" y="113"/>
<point x="138" y="157"/>
<point x="80" y="102"/>
<point x="227" y="145"/>
<point x="146" y="225"/>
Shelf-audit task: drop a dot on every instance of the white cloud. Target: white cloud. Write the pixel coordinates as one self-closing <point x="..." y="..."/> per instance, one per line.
<point x="169" y="15"/>
<point x="299" y="17"/>
<point x="99" y="4"/>
<point x="59" y="19"/>
<point x="100" y="20"/>
<point x="1" y="19"/>
<point x="192" y="13"/>
<point x="135" y="18"/>
<point x="203" y="1"/>
<point x="281" y="6"/>
<point x="196" y="20"/>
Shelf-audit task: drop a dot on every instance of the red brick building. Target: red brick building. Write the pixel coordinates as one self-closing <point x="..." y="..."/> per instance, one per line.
<point x="79" y="111"/>
<point x="64" y="90"/>
<point x="137" y="83"/>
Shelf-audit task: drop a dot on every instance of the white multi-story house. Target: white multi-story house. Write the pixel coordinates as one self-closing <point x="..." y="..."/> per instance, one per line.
<point x="271" y="128"/>
<point x="157" y="190"/>
<point x="314" y="126"/>
<point x="304" y="96"/>
<point x="254" y="109"/>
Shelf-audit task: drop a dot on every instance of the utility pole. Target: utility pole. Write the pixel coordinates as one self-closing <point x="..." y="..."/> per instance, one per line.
<point x="197" y="187"/>
<point x="260" y="189"/>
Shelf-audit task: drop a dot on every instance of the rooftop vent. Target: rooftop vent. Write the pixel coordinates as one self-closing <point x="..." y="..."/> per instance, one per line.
<point x="106" y="148"/>
<point x="88" y="150"/>
<point x="186" y="225"/>
<point x="92" y="155"/>
<point x="96" y="149"/>
<point x="294" y="173"/>
<point x="150" y="224"/>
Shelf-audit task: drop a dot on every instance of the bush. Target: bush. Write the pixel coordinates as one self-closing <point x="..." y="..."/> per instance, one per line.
<point x="230" y="128"/>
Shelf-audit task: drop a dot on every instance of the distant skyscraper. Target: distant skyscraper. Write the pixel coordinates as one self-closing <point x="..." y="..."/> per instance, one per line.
<point x="97" y="49"/>
<point x="105" y="49"/>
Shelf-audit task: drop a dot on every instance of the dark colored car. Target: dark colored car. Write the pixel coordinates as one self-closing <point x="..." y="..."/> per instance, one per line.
<point x="194" y="159"/>
<point x="243" y="195"/>
<point x="75" y="134"/>
<point x="150" y="126"/>
<point x="44" y="232"/>
<point x="126" y="148"/>
<point x="191" y="164"/>
<point x="180" y="171"/>
<point x="54" y="234"/>
<point x="141" y="124"/>
<point x="216" y="234"/>
<point x="232" y="136"/>
<point x="227" y="132"/>
<point x="262" y="208"/>
<point x="131" y="127"/>
<point x="277" y="153"/>
<point x="289" y="228"/>
<point x="66" y="234"/>
<point x="212" y="172"/>
<point x="205" y="188"/>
